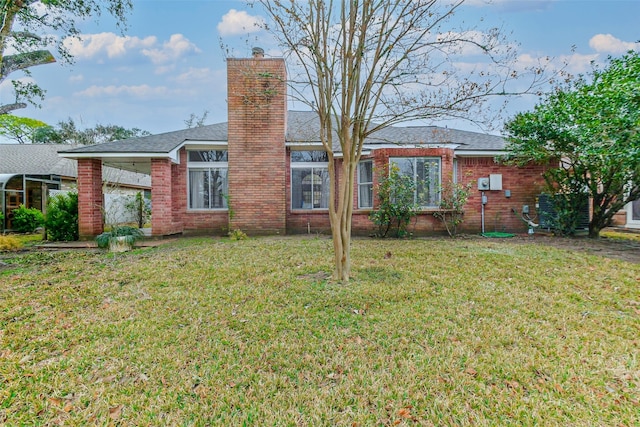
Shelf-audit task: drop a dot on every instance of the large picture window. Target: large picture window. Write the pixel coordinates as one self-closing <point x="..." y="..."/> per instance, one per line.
<point x="426" y="175"/>
<point x="365" y="184"/>
<point x="207" y="184"/>
<point x="309" y="180"/>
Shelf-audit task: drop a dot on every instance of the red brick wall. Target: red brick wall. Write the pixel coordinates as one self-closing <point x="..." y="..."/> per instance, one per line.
<point x="90" y="200"/>
<point x="161" y="198"/>
<point x="257" y="158"/>
<point x="524" y="183"/>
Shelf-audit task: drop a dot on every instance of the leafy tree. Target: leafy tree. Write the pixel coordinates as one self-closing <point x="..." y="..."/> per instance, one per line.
<point x="23" y="130"/>
<point x="590" y="130"/>
<point x="396" y="205"/>
<point x="362" y="65"/>
<point x="30" y="27"/>
<point x="67" y="133"/>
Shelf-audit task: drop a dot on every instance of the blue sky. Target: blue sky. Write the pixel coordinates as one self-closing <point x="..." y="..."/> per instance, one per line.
<point x="169" y="62"/>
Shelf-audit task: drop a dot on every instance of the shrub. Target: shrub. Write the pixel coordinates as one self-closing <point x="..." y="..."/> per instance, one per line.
<point x="396" y="205"/>
<point x="453" y="198"/>
<point x="61" y="220"/>
<point x="238" y="234"/>
<point x="9" y="243"/>
<point x="1" y="220"/>
<point x="27" y="220"/>
<point x="131" y="235"/>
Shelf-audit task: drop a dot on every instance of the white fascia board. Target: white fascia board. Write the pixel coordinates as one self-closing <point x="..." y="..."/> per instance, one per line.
<point x="189" y="144"/>
<point x="373" y="147"/>
<point x="114" y="155"/>
<point x="480" y="153"/>
<point x="303" y="145"/>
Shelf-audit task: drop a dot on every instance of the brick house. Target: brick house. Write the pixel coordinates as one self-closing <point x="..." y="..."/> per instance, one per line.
<point x="264" y="171"/>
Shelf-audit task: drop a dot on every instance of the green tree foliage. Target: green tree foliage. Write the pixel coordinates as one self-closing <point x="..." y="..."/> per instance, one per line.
<point x="61" y="220"/>
<point x="590" y="130"/>
<point x="68" y="133"/>
<point x="26" y="220"/>
<point x="396" y="204"/>
<point x="29" y="27"/>
<point x="23" y="130"/>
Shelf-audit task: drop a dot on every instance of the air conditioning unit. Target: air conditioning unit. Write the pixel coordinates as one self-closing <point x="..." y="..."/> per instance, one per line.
<point x="547" y="213"/>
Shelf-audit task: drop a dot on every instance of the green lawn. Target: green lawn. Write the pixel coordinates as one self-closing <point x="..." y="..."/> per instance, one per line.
<point x="473" y="332"/>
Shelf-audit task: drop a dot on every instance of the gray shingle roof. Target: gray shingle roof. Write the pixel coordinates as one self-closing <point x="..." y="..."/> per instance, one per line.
<point x="302" y="127"/>
<point x="160" y="143"/>
<point x="43" y="159"/>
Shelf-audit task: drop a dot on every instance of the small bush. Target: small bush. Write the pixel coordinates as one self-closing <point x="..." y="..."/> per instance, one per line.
<point x="9" y="243"/>
<point x="27" y="220"/>
<point x="453" y="197"/>
<point x="396" y="205"/>
<point x="238" y="234"/>
<point x="131" y="235"/>
<point x="61" y="220"/>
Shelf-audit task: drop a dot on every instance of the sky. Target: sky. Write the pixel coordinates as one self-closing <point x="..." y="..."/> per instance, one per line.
<point x="169" y="63"/>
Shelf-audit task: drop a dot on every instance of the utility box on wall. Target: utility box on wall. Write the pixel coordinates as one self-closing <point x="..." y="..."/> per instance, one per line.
<point x="483" y="184"/>
<point x="495" y="182"/>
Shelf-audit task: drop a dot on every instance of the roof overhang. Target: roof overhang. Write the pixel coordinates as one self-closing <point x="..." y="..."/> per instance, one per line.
<point x="480" y="153"/>
<point x="140" y="161"/>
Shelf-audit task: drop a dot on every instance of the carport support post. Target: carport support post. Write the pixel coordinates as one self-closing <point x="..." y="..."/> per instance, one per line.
<point x="90" y="200"/>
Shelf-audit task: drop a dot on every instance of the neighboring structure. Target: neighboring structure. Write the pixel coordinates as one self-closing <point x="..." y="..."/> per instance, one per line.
<point x="29" y="173"/>
<point x="265" y="172"/>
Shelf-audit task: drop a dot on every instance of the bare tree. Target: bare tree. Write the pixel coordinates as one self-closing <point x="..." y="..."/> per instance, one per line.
<point x="363" y="65"/>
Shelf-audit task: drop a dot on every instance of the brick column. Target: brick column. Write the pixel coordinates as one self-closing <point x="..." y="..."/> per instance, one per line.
<point x="90" y="200"/>
<point x="161" y="200"/>
<point x="257" y="158"/>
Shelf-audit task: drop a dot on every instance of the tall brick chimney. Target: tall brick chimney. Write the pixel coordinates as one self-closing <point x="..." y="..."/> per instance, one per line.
<point x="257" y="103"/>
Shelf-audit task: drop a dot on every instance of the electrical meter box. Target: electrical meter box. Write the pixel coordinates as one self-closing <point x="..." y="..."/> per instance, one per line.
<point x="483" y="184"/>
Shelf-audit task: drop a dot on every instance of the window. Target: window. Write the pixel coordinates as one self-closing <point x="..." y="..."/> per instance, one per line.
<point x="426" y="174"/>
<point x="365" y="184"/>
<point x="207" y="184"/>
<point x="309" y="180"/>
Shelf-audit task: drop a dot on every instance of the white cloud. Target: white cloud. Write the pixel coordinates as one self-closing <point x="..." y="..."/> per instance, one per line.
<point x="513" y="5"/>
<point x="237" y="22"/>
<point x="607" y="43"/>
<point x="177" y="46"/>
<point x="76" y="78"/>
<point x="194" y="74"/>
<point x="140" y="91"/>
<point x="90" y="46"/>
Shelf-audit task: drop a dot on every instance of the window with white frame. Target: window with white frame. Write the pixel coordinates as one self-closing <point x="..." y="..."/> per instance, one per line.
<point x="365" y="184"/>
<point x="207" y="183"/>
<point x="426" y="175"/>
<point x="309" y="180"/>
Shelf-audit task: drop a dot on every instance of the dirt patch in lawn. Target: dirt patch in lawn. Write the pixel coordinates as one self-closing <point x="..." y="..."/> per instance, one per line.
<point x="625" y="250"/>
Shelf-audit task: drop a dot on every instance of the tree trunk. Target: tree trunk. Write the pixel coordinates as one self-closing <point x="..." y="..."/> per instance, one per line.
<point x="340" y="218"/>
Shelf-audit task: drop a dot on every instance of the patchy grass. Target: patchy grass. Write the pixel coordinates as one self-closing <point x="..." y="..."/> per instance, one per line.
<point x="621" y="235"/>
<point x="218" y="332"/>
